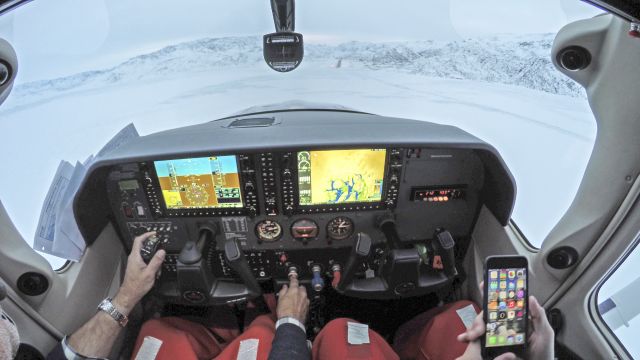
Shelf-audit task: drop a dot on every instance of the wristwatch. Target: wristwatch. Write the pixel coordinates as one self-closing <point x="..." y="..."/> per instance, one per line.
<point x="290" y="320"/>
<point x="107" y="306"/>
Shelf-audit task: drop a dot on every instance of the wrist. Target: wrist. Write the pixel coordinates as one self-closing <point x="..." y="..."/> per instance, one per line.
<point x="124" y="302"/>
<point x="290" y="320"/>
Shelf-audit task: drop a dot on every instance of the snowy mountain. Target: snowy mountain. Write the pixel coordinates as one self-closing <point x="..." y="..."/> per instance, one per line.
<point x="513" y="60"/>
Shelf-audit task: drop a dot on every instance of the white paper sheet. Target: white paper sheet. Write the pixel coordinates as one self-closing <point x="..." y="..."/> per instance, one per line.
<point x="58" y="233"/>
<point x="124" y="136"/>
<point x="357" y="334"/>
<point x="149" y="348"/>
<point x="467" y="314"/>
<point x="248" y="349"/>
<point x="45" y="232"/>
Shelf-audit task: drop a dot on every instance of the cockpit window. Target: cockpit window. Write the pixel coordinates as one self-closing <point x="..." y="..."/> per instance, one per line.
<point x="89" y="68"/>
<point x="617" y="302"/>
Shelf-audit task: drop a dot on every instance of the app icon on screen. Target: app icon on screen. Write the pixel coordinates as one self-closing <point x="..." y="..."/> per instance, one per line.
<point x="502" y="305"/>
<point x="511" y="315"/>
<point x="503" y="284"/>
<point x="493" y="285"/>
<point x="520" y="273"/>
<point x="493" y="296"/>
<point x="519" y="338"/>
<point x="511" y="304"/>
<point x="520" y="304"/>
<point x="512" y="285"/>
<point x="520" y="284"/>
<point x="520" y="294"/>
<point x="503" y="294"/>
<point x="512" y="294"/>
<point x="493" y="274"/>
<point x="493" y="315"/>
<point x="493" y="305"/>
<point x="512" y="274"/>
<point x="493" y="340"/>
<point x="502" y="315"/>
<point x="510" y="340"/>
<point x="503" y="275"/>
<point x="501" y="339"/>
<point x="520" y="314"/>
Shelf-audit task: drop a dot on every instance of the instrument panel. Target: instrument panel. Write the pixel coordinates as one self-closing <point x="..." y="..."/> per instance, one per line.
<point x="383" y="217"/>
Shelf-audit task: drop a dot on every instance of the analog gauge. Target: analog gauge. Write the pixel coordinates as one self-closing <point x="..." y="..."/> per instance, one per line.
<point x="304" y="229"/>
<point x="340" y="228"/>
<point x="268" y="230"/>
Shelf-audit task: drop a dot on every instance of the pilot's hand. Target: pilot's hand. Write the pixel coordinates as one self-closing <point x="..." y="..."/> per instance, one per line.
<point x="139" y="277"/>
<point x="293" y="301"/>
<point x="541" y="336"/>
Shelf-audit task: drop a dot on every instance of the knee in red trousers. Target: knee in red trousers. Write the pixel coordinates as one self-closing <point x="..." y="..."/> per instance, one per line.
<point x="262" y="329"/>
<point x="433" y="335"/>
<point x="331" y="343"/>
<point x="181" y="339"/>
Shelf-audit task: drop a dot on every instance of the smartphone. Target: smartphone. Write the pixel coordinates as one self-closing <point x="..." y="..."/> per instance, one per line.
<point x="506" y="305"/>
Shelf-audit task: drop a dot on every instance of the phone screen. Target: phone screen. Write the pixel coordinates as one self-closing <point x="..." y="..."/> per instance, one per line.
<point x="506" y="307"/>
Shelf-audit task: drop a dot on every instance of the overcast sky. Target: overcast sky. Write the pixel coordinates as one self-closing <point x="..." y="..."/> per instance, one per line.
<point x="58" y="37"/>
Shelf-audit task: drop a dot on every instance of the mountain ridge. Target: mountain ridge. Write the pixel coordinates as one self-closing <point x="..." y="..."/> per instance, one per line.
<point x="510" y="59"/>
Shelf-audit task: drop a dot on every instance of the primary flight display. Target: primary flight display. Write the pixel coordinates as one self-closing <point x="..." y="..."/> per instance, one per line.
<point x="327" y="177"/>
<point x="200" y="183"/>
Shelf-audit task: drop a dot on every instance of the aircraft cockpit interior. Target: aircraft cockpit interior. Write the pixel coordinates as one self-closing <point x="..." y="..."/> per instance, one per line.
<point x="429" y="188"/>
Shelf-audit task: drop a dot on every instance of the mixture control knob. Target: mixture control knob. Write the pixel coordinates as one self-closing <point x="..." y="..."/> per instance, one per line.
<point x="317" y="282"/>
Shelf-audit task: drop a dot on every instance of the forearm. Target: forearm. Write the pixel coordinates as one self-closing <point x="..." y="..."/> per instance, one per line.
<point x="97" y="336"/>
<point x="290" y="342"/>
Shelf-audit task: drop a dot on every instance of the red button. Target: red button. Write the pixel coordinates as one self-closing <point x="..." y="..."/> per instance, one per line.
<point x="283" y="258"/>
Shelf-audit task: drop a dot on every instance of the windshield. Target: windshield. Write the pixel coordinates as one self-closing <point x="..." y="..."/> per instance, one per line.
<point x="88" y="68"/>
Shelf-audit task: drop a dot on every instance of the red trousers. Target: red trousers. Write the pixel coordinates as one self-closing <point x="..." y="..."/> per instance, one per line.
<point x="429" y="336"/>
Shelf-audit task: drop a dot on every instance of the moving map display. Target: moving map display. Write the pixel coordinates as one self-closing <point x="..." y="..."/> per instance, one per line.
<point x="197" y="183"/>
<point x="340" y="176"/>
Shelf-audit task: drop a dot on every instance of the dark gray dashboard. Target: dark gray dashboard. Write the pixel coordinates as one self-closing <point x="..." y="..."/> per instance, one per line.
<point x="436" y="179"/>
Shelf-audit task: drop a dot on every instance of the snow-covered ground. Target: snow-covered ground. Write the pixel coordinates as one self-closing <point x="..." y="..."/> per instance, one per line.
<point x="504" y="91"/>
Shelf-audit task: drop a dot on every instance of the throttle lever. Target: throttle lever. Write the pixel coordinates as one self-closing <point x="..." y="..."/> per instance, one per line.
<point x="359" y="253"/>
<point x="444" y="246"/>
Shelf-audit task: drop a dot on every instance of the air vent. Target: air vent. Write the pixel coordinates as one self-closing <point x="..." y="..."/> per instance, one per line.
<point x="252" y="122"/>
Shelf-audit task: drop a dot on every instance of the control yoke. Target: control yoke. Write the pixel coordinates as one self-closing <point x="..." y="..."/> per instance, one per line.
<point x="404" y="272"/>
<point x="195" y="281"/>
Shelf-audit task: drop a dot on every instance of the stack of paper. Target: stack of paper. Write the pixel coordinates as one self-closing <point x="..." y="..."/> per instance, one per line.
<point x="57" y="232"/>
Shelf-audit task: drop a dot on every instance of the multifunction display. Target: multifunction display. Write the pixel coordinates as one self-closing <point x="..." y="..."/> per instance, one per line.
<point x="327" y="177"/>
<point x="200" y="183"/>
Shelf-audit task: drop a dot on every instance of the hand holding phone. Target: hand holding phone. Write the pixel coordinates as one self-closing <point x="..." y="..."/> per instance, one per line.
<point x="540" y="343"/>
<point x="541" y="337"/>
<point x="505" y="306"/>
